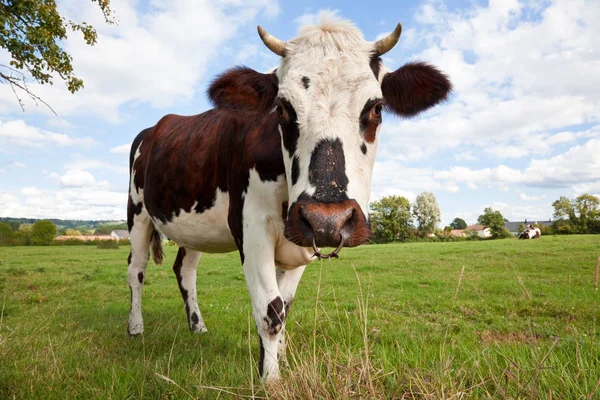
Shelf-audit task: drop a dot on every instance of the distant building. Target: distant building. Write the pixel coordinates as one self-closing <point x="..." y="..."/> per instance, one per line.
<point x="480" y="230"/>
<point x="119" y="234"/>
<point x="458" y="232"/>
<point x="513" y="227"/>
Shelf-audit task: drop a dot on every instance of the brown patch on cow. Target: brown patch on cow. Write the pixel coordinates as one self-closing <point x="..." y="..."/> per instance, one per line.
<point x="493" y="337"/>
<point x="141" y="277"/>
<point x="129" y="259"/>
<point x="184" y="160"/>
<point x="370" y="119"/>
<point x="414" y="88"/>
<point x="275" y="316"/>
<point x="242" y="87"/>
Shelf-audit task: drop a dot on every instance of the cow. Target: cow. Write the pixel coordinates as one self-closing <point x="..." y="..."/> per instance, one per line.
<point x="278" y="169"/>
<point x="532" y="232"/>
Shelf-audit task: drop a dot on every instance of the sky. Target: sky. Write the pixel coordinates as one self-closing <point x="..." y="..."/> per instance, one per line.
<point x="521" y="129"/>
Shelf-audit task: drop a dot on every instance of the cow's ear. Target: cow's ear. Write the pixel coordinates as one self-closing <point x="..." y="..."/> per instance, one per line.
<point x="242" y="87"/>
<point x="413" y="88"/>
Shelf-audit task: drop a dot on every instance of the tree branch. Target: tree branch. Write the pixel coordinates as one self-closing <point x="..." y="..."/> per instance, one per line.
<point x="21" y="84"/>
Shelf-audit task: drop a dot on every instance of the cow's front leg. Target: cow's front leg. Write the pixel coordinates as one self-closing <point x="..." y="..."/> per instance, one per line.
<point x="287" y="281"/>
<point x="267" y="304"/>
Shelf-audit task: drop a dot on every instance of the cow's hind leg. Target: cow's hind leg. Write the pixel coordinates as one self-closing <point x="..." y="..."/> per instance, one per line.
<point x="185" y="267"/>
<point x="287" y="281"/>
<point x="141" y="232"/>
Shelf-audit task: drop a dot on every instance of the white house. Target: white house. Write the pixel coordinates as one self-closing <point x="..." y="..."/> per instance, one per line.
<point x="119" y="234"/>
<point x="480" y="230"/>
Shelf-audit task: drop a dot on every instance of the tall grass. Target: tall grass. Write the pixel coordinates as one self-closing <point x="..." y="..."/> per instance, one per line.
<point x="492" y="320"/>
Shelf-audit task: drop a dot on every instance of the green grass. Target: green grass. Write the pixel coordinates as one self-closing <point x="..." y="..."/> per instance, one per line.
<point x="391" y="321"/>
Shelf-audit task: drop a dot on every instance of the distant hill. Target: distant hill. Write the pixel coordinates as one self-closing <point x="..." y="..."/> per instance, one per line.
<point x="63" y="223"/>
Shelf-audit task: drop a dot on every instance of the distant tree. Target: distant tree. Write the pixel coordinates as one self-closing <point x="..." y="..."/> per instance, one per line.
<point x="42" y="233"/>
<point x="73" y="232"/>
<point x="495" y="221"/>
<point x="391" y="218"/>
<point x="6" y="233"/>
<point x="33" y="32"/>
<point x="106" y="229"/>
<point x="581" y="211"/>
<point x="25" y="228"/>
<point x="426" y="212"/>
<point x="458" y="223"/>
<point x="521" y="228"/>
<point x="25" y="232"/>
<point x="14" y="225"/>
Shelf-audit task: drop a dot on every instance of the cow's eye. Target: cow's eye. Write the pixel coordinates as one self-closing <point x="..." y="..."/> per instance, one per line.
<point x="377" y="109"/>
<point x="282" y="111"/>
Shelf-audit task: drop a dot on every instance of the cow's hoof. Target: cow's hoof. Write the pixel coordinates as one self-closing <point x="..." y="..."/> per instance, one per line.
<point x="197" y="329"/>
<point x="135" y="330"/>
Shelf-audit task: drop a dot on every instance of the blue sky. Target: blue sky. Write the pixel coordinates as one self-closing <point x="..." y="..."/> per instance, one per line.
<point x="522" y="127"/>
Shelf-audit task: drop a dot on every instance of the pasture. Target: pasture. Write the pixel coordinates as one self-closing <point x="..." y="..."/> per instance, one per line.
<point x="383" y="321"/>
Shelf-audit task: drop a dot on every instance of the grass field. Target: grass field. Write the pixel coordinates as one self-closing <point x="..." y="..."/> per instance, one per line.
<point x="383" y="321"/>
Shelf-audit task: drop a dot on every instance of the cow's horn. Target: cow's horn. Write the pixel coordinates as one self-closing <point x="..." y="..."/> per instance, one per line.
<point x="277" y="46"/>
<point x="384" y="45"/>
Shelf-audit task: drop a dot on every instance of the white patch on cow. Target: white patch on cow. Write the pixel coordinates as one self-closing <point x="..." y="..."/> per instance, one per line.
<point x="206" y="232"/>
<point x="336" y="59"/>
<point x="134" y="192"/>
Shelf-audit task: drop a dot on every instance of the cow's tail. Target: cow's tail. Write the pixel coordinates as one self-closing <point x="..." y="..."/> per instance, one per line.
<point x="156" y="245"/>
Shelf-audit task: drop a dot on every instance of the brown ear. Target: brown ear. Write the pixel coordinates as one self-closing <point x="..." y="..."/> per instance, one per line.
<point x="242" y="87"/>
<point x="414" y="88"/>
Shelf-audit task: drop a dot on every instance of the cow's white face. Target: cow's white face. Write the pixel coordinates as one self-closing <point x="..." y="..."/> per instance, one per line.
<point x="330" y="104"/>
<point x="331" y="92"/>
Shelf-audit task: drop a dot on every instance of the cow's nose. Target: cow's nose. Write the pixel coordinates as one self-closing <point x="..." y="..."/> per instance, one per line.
<point x="330" y="224"/>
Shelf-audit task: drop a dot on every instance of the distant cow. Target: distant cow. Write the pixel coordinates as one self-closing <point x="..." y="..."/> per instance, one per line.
<point x="532" y="232"/>
<point x="280" y="167"/>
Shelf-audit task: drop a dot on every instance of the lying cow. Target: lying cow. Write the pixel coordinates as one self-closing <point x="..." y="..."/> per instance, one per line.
<point x="532" y="232"/>
<point x="279" y="168"/>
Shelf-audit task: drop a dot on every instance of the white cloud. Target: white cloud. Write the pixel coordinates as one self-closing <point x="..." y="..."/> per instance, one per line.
<point x="122" y="149"/>
<point x="156" y="57"/>
<point x="525" y="197"/>
<point x="84" y="163"/>
<point x="71" y="203"/>
<point x="31" y="191"/>
<point x="580" y="164"/>
<point x="75" y="178"/>
<point x="517" y="80"/>
<point x="18" y="132"/>
<point x="312" y="19"/>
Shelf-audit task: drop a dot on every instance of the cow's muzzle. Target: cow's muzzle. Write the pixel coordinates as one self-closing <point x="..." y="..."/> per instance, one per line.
<point x="316" y="224"/>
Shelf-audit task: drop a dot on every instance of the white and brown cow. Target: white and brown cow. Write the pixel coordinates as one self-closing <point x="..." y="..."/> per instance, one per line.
<point x="280" y="167"/>
<point x="532" y="232"/>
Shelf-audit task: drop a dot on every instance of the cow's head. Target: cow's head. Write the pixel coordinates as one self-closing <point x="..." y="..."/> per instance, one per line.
<point x="331" y="89"/>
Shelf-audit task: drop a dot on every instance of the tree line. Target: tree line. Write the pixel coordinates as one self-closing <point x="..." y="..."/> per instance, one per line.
<point x="394" y="218"/>
<point x="43" y="232"/>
